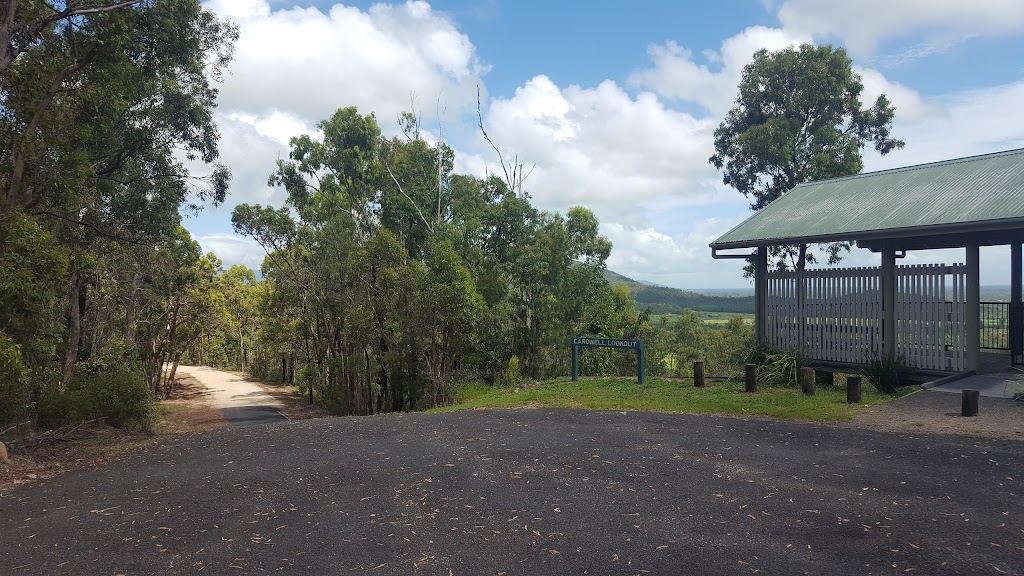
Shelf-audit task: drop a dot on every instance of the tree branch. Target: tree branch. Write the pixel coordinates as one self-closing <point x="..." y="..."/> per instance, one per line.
<point x="93" y="227"/>
<point x="29" y="32"/>
<point x="418" y="211"/>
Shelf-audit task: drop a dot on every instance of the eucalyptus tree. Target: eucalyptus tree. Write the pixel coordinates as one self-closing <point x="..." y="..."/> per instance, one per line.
<point x="798" y="118"/>
<point x="98" y="100"/>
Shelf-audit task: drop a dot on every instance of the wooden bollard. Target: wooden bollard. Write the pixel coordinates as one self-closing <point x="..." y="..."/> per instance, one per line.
<point x="969" y="403"/>
<point x="698" y="374"/>
<point x="853" y="389"/>
<point x="750" y="373"/>
<point x="807" y="381"/>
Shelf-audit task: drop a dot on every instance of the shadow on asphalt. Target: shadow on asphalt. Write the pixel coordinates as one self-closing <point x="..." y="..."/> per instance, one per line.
<point x="243" y="415"/>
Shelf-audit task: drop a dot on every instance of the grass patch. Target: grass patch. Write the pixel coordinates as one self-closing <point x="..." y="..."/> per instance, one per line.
<point x="660" y="395"/>
<point x="716" y="318"/>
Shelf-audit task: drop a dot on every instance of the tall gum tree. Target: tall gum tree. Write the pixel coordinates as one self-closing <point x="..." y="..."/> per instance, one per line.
<point x="98" y="103"/>
<point x="799" y="118"/>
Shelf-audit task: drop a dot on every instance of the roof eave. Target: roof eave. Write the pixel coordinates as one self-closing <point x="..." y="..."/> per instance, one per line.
<point x="884" y="234"/>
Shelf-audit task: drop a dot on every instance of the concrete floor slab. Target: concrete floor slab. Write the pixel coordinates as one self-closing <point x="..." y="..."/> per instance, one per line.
<point x="996" y="385"/>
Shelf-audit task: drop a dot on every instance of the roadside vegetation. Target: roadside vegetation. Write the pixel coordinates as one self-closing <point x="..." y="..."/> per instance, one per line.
<point x="670" y="395"/>
<point x="390" y="281"/>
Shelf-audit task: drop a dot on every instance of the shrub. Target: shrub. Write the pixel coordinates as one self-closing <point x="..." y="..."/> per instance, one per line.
<point x="15" y="396"/>
<point x="513" y="375"/>
<point x="110" y="386"/>
<point x="887" y="372"/>
<point x="758" y="352"/>
<point x="782" y="369"/>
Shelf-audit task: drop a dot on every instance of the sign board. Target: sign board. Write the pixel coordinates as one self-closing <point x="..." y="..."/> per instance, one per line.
<point x="619" y="343"/>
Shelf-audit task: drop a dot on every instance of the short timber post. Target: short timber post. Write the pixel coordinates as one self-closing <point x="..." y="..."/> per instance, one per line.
<point x="969" y="403"/>
<point x="750" y="374"/>
<point x="698" y="374"/>
<point x="807" y="381"/>
<point x="853" y="389"/>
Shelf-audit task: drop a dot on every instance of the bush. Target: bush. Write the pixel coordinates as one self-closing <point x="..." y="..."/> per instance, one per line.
<point x="513" y="375"/>
<point x="758" y="352"/>
<point x="15" y="396"/>
<point x="887" y="372"/>
<point x="111" y="386"/>
<point x="782" y="369"/>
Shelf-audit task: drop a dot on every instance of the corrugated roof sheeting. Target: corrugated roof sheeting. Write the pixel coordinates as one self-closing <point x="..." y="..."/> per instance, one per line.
<point x="977" y="189"/>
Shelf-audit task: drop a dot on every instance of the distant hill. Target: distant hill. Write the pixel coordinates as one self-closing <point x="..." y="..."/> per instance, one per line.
<point x="665" y="300"/>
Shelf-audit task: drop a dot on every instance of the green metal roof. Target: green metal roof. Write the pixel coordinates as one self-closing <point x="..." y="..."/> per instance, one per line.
<point x="955" y="196"/>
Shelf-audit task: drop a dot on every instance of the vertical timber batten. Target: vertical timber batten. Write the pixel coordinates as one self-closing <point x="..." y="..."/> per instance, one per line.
<point x="842" y="314"/>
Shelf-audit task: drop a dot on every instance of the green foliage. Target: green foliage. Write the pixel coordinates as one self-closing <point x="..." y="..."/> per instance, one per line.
<point x="111" y="386"/>
<point x="758" y="352"/>
<point x="15" y="397"/>
<point x="307" y="377"/>
<point x="798" y="118"/>
<point x="103" y="116"/>
<point x="513" y="375"/>
<point x="659" y="395"/>
<point x="400" y="278"/>
<point x="887" y="372"/>
<point x="722" y="347"/>
<point x="782" y="369"/>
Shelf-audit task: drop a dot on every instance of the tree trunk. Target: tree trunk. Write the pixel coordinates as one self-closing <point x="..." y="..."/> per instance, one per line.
<point x="369" y="382"/>
<point x="74" y="331"/>
<point x="129" y="313"/>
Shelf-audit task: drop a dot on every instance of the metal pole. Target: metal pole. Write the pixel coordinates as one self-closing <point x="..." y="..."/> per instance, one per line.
<point x="889" y="348"/>
<point x="973" y="309"/>
<point x="1016" y="323"/>
<point x="575" y="362"/>
<point x="640" y="365"/>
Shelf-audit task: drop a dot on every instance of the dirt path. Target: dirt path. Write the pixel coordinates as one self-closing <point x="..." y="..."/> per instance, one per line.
<point x="241" y="401"/>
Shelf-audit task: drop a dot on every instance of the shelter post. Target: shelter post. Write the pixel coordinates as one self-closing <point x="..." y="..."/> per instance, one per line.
<point x="761" y="293"/>
<point x="973" y="311"/>
<point x="889" y="347"/>
<point x="1016" y="319"/>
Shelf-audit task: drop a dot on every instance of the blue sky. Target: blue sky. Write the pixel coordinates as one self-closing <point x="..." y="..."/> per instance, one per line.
<point x="613" y="103"/>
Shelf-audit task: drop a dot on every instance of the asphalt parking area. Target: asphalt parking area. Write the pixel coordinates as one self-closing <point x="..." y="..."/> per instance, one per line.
<point x="532" y="492"/>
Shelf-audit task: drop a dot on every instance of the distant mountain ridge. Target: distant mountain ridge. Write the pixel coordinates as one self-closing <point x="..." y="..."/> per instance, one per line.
<point x="665" y="300"/>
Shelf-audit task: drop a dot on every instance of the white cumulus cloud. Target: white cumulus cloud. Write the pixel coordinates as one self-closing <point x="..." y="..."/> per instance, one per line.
<point x="603" y="148"/>
<point x="862" y="25"/>
<point x="710" y="81"/>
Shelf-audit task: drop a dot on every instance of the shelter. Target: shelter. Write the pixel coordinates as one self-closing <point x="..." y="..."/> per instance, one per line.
<point x="930" y="314"/>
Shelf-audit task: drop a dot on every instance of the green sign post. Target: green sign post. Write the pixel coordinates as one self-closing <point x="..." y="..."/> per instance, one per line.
<point x="622" y="344"/>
